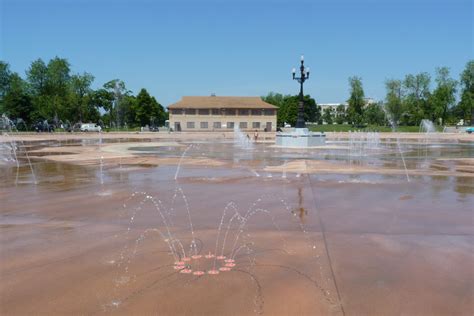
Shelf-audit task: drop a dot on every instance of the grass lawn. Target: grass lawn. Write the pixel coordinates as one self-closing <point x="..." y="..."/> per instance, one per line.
<point x="122" y="129"/>
<point x="370" y="128"/>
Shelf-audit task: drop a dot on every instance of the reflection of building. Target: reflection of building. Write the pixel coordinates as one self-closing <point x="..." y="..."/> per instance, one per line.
<point x="217" y="113"/>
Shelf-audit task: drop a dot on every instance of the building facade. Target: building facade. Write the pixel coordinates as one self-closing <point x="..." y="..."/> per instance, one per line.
<point x="333" y="107"/>
<point x="216" y="113"/>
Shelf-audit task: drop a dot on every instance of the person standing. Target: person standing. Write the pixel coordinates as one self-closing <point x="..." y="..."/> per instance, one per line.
<point x="255" y="136"/>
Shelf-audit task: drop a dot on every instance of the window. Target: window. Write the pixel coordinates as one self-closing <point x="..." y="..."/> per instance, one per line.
<point x="269" y="112"/>
<point x="269" y="126"/>
<point x="216" y="112"/>
<point x="230" y="112"/>
<point x="256" y="125"/>
<point x="190" y="111"/>
<point x="243" y="125"/>
<point x="203" y="111"/>
<point x="243" y="112"/>
<point x="204" y="125"/>
<point x="256" y="112"/>
<point x="176" y="111"/>
<point x="216" y="125"/>
<point x="230" y="125"/>
<point x="190" y="125"/>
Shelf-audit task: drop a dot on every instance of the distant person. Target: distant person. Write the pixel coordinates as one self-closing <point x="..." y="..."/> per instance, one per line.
<point x="248" y="137"/>
<point x="255" y="136"/>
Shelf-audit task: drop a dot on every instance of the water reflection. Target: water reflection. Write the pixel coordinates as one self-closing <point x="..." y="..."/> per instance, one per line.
<point x="300" y="211"/>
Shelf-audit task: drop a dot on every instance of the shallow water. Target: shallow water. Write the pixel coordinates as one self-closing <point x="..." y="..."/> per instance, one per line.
<point x="90" y="238"/>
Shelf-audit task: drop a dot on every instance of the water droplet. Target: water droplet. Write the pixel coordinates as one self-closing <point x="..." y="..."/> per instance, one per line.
<point x="115" y="303"/>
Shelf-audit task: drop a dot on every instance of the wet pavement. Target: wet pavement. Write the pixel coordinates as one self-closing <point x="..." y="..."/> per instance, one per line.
<point x="341" y="230"/>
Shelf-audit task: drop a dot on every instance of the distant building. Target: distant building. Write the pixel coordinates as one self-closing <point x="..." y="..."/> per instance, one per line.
<point x="369" y="101"/>
<point x="332" y="106"/>
<point x="216" y="113"/>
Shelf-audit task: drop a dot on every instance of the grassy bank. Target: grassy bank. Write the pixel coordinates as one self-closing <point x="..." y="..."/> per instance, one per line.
<point x="370" y="128"/>
<point x="122" y="129"/>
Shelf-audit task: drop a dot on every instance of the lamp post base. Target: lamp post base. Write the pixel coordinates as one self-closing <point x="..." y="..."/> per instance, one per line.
<point x="300" y="124"/>
<point x="300" y="138"/>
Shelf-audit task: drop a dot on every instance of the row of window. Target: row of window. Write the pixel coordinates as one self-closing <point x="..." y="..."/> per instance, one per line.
<point x="240" y="112"/>
<point x="230" y="125"/>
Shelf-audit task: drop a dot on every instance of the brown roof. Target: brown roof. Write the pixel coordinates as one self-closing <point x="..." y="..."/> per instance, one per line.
<point x="216" y="102"/>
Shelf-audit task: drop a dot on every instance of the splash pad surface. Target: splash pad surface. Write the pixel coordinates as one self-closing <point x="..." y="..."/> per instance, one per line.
<point x="123" y="228"/>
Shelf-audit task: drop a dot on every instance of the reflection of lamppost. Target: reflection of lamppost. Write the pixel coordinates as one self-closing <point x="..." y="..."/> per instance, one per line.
<point x="304" y="75"/>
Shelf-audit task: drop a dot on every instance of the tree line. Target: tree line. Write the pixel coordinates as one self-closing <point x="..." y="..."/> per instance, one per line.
<point x="407" y="102"/>
<point x="50" y="91"/>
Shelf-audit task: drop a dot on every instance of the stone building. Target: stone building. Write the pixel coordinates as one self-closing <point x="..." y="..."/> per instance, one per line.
<point x="216" y="113"/>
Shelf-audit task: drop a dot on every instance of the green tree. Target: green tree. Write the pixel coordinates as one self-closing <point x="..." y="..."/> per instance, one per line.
<point x="36" y="78"/>
<point x="340" y="114"/>
<point x="127" y="107"/>
<point x="91" y="112"/>
<point x="5" y="75"/>
<point x="328" y="115"/>
<point x="288" y="108"/>
<point x="356" y="101"/>
<point x="118" y="91"/>
<point x="16" y="102"/>
<point x="162" y="114"/>
<point x="81" y="96"/>
<point x="393" y="100"/>
<point x="147" y="110"/>
<point x="278" y="100"/>
<point x="49" y="87"/>
<point x="465" y="107"/>
<point x="443" y="97"/>
<point x="374" y="114"/>
<point x="416" y="101"/>
<point x="52" y="92"/>
<point x="102" y="99"/>
<point x="57" y="87"/>
<point x="312" y="111"/>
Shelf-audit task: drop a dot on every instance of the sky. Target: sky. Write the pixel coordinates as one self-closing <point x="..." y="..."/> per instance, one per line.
<point x="240" y="48"/>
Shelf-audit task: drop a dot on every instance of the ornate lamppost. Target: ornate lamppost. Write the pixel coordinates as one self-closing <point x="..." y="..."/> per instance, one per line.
<point x="304" y="75"/>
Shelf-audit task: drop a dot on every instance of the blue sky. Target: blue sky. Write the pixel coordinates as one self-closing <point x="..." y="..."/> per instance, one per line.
<point x="245" y="47"/>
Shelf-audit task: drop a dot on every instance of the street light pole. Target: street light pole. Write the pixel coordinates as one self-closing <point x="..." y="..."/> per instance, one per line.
<point x="304" y="75"/>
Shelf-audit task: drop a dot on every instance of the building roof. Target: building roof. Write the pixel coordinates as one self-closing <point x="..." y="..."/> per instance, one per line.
<point x="217" y="102"/>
